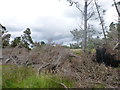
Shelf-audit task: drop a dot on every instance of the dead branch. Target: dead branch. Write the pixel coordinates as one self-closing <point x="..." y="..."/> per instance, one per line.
<point x="89" y="2"/>
<point x="43" y="66"/>
<point x="7" y="60"/>
<point x="90" y="15"/>
<point x="116" y="8"/>
<point x="62" y="84"/>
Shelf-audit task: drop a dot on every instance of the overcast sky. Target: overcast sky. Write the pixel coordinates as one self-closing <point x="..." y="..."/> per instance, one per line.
<point x="47" y="19"/>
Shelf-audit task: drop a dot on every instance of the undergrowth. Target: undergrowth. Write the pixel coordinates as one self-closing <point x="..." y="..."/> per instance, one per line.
<point x="25" y="77"/>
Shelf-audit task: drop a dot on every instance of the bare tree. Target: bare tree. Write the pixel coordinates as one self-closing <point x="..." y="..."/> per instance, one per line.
<point x="118" y="25"/>
<point x="78" y="34"/>
<point x="87" y="13"/>
<point x="101" y="18"/>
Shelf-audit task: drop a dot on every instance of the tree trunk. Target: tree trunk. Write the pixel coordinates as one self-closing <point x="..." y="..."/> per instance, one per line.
<point x="118" y="26"/>
<point x="101" y="21"/>
<point x="116" y="8"/>
<point x="85" y="26"/>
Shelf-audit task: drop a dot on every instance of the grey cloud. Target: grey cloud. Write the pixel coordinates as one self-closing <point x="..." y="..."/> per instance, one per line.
<point x="72" y="13"/>
<point x="53" y="28"/>
<point x="47" y="34"/>
<point x="57" y="29"/>
<point x="13" y="29"/>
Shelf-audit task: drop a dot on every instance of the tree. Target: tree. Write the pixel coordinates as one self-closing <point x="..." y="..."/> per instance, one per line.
<point x="16" y="42"/>
<point x="42" y="43"/>
<point x="87" y="13"/>
<point x="100" y="18"/>
<point x="27" y="39"/>
<point x="5" y="40"/>
<point x="112" y="37"/>
<point x="77" y="36"/>
<point x="5" y="37"/>
<point x="3" y="29"/>
<point x="118" y="25"/>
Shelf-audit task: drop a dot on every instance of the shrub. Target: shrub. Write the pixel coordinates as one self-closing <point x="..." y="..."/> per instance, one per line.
<point x="77" y="51"/>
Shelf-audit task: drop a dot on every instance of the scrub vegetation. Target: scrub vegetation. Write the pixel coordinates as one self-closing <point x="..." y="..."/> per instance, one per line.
<point x="92" y="62"/>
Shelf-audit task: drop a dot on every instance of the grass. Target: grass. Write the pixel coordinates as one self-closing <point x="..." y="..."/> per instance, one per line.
<point x="25" y="77"/>
<point x="80" y="52"/>
<point x="76" y="51"/>
<point x="44" y="81"/>
<point x="0" y="77"/>
<point x="100" y="85"/>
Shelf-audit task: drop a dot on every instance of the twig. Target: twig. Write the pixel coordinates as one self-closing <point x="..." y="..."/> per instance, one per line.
<point x="89" y="2"/>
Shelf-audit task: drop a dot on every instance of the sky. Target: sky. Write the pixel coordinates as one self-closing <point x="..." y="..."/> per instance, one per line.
<point x="47" y="19"/>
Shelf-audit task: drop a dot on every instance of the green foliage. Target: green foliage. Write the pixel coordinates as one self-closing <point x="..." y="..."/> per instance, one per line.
<point x="13" y="75"/>
<point x="112" y="35"/>
<point x="77" y="35"/>
<point x="27" y="39"/>
<point x="25" y="77"/>
<point x="42" y="43"/>
<point x="5" y="36"/>
<point x="118" y="27"/>
<point x="5" y="40"/>
<point x="100" y="85"/>
<point x="16" y="41"/>
<point x="77" y="51"/>
<point x="75" y="46"/>
<point x="91" y="46"/>
<point x="65" y="46"/>
<point x="1" y="77"/>
<point x="24" y="41"/>
<point x="44" y="81"/>
<point x="93" y="50"/>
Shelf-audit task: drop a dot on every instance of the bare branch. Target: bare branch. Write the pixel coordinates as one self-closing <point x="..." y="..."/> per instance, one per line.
<point x="91" y="7"/>
<point x="7" y="60"/>
<point x="89" y="2"/>
<point x="90" y="15"/>
<point x="116" y="7"/>
<point x="80" y="10"/>
<point x="71" y="2"/>
<point x="80" y="27"/>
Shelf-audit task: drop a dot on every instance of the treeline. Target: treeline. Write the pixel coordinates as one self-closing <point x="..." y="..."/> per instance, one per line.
<point x="92" y="42"/>
<point x="25" y="40"/>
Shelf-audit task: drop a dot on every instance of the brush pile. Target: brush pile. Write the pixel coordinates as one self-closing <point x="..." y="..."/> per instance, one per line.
<point x="59" y="60"/>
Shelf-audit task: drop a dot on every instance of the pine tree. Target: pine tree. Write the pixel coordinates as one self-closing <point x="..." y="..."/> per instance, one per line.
<point x="27" y="39"/>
